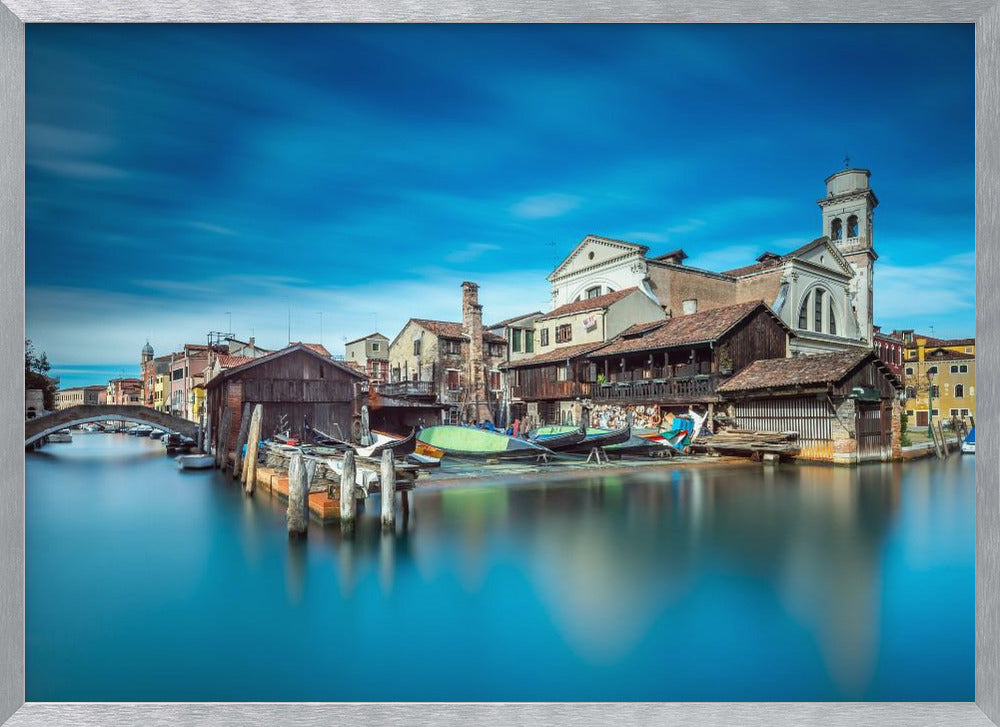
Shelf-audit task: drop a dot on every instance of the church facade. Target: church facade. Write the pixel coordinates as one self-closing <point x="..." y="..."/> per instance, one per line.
<point x="822" y="290"/>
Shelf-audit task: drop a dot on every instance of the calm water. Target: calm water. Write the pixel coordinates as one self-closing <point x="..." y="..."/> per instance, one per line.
<point x="802" y="583"/>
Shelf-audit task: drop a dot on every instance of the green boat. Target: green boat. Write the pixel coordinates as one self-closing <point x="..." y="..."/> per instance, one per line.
<point x="469" y="442"/>
<point x="595" y="437"/>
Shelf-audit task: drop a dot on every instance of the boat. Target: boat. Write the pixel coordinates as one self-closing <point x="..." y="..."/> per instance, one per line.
<point x="428" y="451"/>
<point x="143" y="430"/>
<point x="455" y="441"/>
<point x="399" y="445"/>
<point x="560" y="441"/>
<point x="969" y="443"/>
<point x="596" y="437"/>
<point x="175" y="443"/>
<point x="63" y="436"/>
<point x="156" y="434"/>
<point x="195" y="461"/>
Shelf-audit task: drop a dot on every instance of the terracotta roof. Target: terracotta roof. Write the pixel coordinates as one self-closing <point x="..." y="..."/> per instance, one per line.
<point x="587" y="304"/>
<point x="450" y="329"/>
<point x="822" y="368"/>
<point x="700" y="327"/>
<point x="770" y="260"/>
<point x="678" y="254"/>
<point x="317" y="347"/>
<point x="507" y="322"/>
<point x="228" y="361"/>
<point x="557" y="354"/>
<point x="941" y="342"/>
<point x="943" y="354"/>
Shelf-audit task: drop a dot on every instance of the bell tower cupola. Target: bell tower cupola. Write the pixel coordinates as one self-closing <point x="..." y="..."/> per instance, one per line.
<point x="848" y="220"/>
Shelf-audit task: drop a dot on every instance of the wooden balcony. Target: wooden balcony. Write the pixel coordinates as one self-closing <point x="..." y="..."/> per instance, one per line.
<point x="676" y="390"/>
<point x="406" y="389"/>
<point x="540" y="390"/>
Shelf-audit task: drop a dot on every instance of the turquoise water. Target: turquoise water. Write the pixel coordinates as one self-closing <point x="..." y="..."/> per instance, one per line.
<point x="723" y="583"/>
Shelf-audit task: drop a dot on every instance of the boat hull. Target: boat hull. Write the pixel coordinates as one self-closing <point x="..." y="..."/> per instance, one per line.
<point x="454" y="441"/>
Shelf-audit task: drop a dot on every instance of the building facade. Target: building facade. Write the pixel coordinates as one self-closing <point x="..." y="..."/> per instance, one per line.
<point x="940" y="379"/>
<point x="822" y="290"/>
<point x="519" y="332"/>
<point x="80" y="395"/>
<point x="124" y="391"/>
<point x="371" y="354"/>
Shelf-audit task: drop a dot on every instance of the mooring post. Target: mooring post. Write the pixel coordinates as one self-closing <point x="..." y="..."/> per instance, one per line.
<point x="241" y="439"/>
<point x="250" y="465"/>
<point x="298" y="496"/>
<point x="347" y="482"/>
<point x="222" y="440"/>
<point x="388" y="491"/>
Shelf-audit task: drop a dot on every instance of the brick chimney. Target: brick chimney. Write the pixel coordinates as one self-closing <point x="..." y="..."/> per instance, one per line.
<point x="472" y="326"/>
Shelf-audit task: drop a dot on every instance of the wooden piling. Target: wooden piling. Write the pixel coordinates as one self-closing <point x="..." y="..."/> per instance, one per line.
<point x="298" y="496"/>
<point x="222" y="446"/>
<point x="388" y="481"/>
<point x="253" y="439"/>
<point x="241" y="439"/>
<point x="944" y="441"/>
<point x="348" y="505"/>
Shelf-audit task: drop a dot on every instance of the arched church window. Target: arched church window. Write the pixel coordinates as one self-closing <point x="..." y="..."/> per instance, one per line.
<point x="852" y="226"/>
<point x="804" y="314"/>
<point x="833" y="321"/>
<point x="836" y="231"/>
<point x="818" y="310"/>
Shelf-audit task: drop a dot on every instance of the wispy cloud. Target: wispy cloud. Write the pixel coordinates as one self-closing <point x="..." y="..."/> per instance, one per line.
<point x="545" y="205"/>
<point x="470" y="252"/>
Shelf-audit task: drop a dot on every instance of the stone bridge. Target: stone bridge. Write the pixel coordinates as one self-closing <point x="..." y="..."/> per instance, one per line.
<point x="43" y="426"/>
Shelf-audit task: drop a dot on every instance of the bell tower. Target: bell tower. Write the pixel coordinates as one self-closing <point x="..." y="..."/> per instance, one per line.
<point x="848" y="215"/>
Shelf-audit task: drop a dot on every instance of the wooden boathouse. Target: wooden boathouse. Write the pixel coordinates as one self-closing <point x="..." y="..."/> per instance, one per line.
<point x="844" y="406"/>
<point x="292" y="384"/>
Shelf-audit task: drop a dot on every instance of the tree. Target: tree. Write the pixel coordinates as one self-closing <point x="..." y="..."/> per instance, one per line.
<point x="36" y="369"/>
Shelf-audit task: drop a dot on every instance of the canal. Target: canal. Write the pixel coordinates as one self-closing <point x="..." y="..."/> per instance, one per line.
<point x="145" y="583"/>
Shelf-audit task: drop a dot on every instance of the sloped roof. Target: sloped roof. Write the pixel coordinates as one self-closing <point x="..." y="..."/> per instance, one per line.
<point x="770" y="260"/>
<point x="317" y="347"/>
<point x="588" y="304"/>
<point x="557" y="354"/>
<point x="944" y="354"/>
<point x="365" y="338"/>
<point x="507" y="322"/>
<point x="292" y="348"/>
<point x="229" y="361"/>
<point x="941" y="342"/>
<point x="451" y="329"/>
<point x="708" y="325"/>
<point x="822" y="368"/>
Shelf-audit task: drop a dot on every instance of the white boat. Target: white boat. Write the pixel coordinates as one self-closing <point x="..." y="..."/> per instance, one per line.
<point x="156" y="434"/>
<point x="143" y="430"/>
<point x="61" y="437"/>
<point x="195" y="461"/>
<point x="969" y="445"/>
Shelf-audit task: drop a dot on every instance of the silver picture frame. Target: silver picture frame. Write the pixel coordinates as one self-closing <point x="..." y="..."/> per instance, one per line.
<point x="13" y="16"/>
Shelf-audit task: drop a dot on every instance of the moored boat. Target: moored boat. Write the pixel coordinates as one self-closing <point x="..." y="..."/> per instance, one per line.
<point x="969" y="443"/>
<point x="61" y="437"/>
<point x="399" y="445"/>
<point x="455" y="441"/>
<point x="195" y="461"/>
<point x="560" y="441"/>
<point x="596" y="437"/>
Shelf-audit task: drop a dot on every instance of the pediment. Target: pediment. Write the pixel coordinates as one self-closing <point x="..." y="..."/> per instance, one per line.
<point x="824" y="254"/>
<point x="592" y="252"/>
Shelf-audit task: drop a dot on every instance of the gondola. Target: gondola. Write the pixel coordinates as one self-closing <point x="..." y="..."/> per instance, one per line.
<point x="595" y="437"/>
<point x="455" y="441"/>
<point x="399" y="446"/>
<point x="560" y="441"/>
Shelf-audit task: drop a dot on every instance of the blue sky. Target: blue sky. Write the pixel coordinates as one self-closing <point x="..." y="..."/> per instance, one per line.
<point x="179" y="173"/>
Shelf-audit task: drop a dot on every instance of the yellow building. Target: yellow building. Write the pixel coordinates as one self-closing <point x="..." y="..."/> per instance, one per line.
<point x="940" y="378"/>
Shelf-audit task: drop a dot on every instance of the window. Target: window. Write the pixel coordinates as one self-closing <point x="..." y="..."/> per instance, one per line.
<point x="451" y="379"/>
<point x="818" y="310"/>
<point x="376" y="346"/>
<point x="963" y="369"/>
<point x="909" y="371"/>
<point x="543" y="337"/>
<point x="965" y="412"/>
<point x="564" y="333"/>
<point x="515" y="340"/>
<point x="932" y="370"/>
<point x="935" y="392"/>
<point x="690" y="306"/>
<point x="416" y="346"/>
<point x="453" y="348"/>
<point x="909" y="413"/>
<point x="911" y="393"/>
<point x="833" y="321"/>
<point x="934" y="412"/>
<point x="852" y="226"/>
<point x="959" y="391"/>
<point x="954" y="369"/>
<point x="804" y="314"/>
<point x="968" y="349"/>
<point x="836" y="231"/>
<point x="562" y="373"/>
<point x="494" y="381"/>
<point x="496" y="350"/>
<point x="954" y="412"/>
<point x="529" y="341"/>
<point x="594" y="292"/>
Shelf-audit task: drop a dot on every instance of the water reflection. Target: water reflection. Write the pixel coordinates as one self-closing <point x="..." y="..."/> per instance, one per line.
<point x="686" y="583"/>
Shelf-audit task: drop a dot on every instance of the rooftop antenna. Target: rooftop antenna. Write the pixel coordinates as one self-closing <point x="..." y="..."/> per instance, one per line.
<point x="847" y="161"/>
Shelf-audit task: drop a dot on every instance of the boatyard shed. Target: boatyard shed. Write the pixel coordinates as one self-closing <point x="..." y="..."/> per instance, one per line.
<point x="844" y="406"/>
<point x="293" y="383"/>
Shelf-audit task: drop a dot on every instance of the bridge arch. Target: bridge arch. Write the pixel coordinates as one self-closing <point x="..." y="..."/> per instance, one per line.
<point x="43" y="426"/>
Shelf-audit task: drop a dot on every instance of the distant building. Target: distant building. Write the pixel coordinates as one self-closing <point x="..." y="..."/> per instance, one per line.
<point x="80" y="395"/>
<point x="124" y="392"/>
<point x="940" y="378"/>
<point x="519" y="333"/>
<point x="371" y="354"/>
<point x="455" y="365"/>
<point x="34" y="403"/>
<point x="891" y="349"/>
